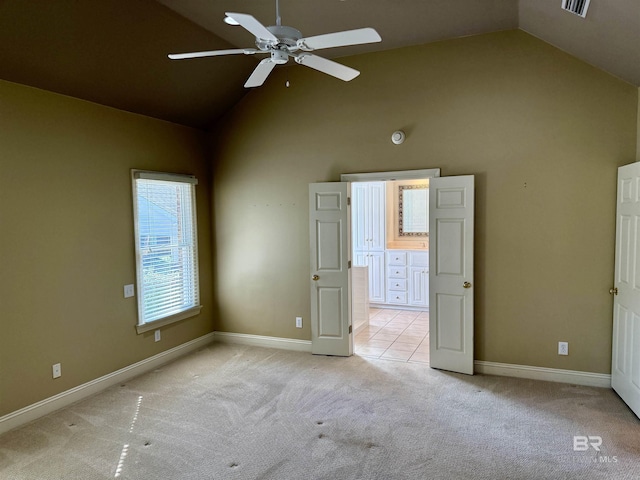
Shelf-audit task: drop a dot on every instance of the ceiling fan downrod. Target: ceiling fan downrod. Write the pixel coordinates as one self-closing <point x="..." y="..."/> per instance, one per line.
<point x="278" y="19"/>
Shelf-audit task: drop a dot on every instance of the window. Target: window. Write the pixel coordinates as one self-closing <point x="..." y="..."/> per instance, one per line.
<point x="166" y="248"/>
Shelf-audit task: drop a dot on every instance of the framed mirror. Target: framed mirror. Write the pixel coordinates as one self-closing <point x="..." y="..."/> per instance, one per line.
<point x="413" y="210"/>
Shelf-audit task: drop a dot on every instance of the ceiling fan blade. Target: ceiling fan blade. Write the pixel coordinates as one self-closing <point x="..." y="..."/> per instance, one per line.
<point x="212" y="53"/>
<point x="260" y="73"/>
<point x="328" y="66"/>
<point x="340" y="39"/>
<point x="254" y="26"/>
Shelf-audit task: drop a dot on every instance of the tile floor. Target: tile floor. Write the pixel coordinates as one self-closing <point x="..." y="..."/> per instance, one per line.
<point x="399" y="335"/>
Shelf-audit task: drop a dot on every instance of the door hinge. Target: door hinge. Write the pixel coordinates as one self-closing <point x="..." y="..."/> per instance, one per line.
<point x="350" y="328"/>
<point x="349" y="264"/>
<point x="348" y="200"/>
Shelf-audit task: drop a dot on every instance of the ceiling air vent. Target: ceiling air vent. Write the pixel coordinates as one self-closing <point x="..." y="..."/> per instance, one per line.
<point x="579" y="7"/>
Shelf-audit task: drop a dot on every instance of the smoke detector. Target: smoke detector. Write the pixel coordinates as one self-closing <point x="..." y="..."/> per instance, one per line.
<point x="398" y="137"/>
<point x="577" y="7"/>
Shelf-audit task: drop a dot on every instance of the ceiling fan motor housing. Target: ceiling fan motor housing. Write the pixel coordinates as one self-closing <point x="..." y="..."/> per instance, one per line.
<point x="287" y="39"/>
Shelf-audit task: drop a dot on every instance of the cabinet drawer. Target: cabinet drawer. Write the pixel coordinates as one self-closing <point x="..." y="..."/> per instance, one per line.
<point x="397" y="272"/>
<point x="397" y="297"/>
<point x="397" y="258"/>
<point x="397" y="284"/>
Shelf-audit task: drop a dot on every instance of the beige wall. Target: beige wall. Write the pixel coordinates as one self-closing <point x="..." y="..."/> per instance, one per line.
<point x="542" y="132"/>
<point x="638" y="137"/>
<point x="66" y="239"/>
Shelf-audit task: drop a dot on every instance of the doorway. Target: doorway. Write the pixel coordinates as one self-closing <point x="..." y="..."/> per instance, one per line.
<point x="390" y="272"/>
<point x="450" y="257"/>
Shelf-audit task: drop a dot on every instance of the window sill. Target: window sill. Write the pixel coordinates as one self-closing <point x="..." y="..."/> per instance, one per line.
<point x="146" y="327"/>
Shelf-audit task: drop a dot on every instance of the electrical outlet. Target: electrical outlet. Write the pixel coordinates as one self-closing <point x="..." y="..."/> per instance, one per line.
<point x="156" y="335"/>
<point x="563" y="348"/>
<point x="298" y="322"/>
<point x="57" y="370"/>
<point x="128" y="291"/>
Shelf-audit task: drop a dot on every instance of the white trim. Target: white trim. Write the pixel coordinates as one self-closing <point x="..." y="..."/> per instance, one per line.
<point x="178" y="317"/>
<point x="164" y="176"/>
<point x="575" y="377"/>
<point x="188" y="269"/>
<point x="260" y="341"/>
<point x="64" y="399"/>
<point x="388" y="176"/>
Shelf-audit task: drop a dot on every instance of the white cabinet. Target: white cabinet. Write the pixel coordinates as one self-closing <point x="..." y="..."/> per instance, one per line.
<point x="419" y="274"/>
<point x="375" y="262"/>
<point x="368" y="231"/>
<point x="376" y="277"/>
<point x="397" y="277"/>
<point x="368" y="207"/>
<point x="408" y="278"/>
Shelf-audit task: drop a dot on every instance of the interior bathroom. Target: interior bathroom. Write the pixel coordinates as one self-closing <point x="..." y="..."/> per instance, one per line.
<point x="390" y="272"/>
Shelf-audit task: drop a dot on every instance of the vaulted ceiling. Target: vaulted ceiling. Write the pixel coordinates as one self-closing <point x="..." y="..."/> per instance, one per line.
<point x="113" y="52"/>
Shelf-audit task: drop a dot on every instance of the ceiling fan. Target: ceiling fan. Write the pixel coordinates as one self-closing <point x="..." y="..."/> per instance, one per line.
<point x="282" y="42"/>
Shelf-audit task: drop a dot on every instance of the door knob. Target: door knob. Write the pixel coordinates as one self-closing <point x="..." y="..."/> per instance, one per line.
<point x="613" y="291"/>
<point x="466" y="285"/>
<point x="315" y="278"/>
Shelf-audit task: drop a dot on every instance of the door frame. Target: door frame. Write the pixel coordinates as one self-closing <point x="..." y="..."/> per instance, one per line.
<point x="385" y="177"/>
<point x="390" y="176"/>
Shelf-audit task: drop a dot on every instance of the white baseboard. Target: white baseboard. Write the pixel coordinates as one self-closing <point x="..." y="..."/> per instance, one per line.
<point x="541" y="373"/>
<point x="490" y="368"/>
<point x="61" y="400"/>
<point x="260" y="341"/>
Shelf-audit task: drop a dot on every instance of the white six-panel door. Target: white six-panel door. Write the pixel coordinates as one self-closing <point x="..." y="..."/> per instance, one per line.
<point x="330" y="274"/>
<point x="625" y="364"/>
<point x="450" y="277"/>
<point x="451" y="220"/>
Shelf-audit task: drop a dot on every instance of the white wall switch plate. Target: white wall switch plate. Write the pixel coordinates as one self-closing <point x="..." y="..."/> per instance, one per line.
<point x="563" y="348"/>
<point x="156" y="335"/>
<point x="57" y="370"/>
<point x="128" y="291"/>
<point x="298" y="322"/>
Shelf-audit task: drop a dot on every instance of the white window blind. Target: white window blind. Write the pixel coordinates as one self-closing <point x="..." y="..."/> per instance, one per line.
<point x="166" y="246"/>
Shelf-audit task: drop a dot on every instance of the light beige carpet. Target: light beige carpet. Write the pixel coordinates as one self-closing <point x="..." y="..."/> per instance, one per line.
<point x="236" y="412"/>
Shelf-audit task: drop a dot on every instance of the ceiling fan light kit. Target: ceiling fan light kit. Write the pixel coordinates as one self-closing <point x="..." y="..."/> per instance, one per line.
<point x="282" y="42"/>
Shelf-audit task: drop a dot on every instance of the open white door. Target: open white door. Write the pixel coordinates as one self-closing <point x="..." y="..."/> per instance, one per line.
<point x="330" y="280"/>
<point x="625" y="364"/>
<point x="451" y="202"/>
